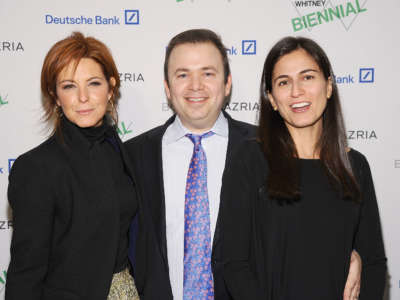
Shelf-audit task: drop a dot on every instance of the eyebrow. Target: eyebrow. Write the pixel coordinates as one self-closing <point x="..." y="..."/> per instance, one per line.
<point x="301" y="72"/>
<point x="65" y="80"/>
<point x="209" y="68"/>
<point x="203" y="69"/>
<point x="71" y="80"/>
<point x="95" y="77"/>
<point x="181" y="70"/>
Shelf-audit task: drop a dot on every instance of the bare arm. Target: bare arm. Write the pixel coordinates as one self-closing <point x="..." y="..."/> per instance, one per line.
<point x="352" y="287"/>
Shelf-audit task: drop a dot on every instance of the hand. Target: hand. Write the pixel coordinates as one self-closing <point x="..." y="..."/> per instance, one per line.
<point x="353" y="283"/>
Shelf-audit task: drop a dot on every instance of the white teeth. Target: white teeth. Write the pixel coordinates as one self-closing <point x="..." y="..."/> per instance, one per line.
<point x="196" y="99"/>
<point x="299" y="105"/>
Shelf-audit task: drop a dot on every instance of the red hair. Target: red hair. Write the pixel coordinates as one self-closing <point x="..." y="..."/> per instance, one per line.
<point x="70" y="51"/>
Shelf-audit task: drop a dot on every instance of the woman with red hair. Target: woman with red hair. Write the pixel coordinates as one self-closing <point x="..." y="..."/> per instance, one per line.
<point x="73" y="196"/>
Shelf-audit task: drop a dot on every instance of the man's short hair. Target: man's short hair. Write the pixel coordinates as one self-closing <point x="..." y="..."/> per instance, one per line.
<point x="194" y="36"/>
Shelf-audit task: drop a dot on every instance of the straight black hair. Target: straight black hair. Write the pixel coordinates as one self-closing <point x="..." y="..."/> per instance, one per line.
<point x="277" y="143"/>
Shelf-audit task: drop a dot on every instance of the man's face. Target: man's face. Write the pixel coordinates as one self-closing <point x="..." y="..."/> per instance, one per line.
<point x="196" y="86"/>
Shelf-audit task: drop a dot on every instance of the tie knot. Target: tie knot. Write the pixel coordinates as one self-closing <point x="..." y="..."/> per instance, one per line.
<point x="196" y="138"/>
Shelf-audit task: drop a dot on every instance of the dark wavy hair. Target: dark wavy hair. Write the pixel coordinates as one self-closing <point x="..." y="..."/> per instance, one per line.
<point x="277" y="143"/>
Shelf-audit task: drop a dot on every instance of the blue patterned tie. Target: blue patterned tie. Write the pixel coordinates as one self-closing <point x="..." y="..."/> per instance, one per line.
<point x="197" y="275"/>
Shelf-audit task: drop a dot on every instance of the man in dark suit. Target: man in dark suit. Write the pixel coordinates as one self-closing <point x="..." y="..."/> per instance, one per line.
<point x="197" y="84"/>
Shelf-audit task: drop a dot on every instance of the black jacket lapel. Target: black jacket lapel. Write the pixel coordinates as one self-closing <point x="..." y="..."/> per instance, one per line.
<point x="154" y="152"/>
<point x="237" y="132"/>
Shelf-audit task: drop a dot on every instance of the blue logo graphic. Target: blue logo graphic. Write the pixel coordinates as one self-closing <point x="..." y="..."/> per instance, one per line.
<point x="131" y="16"/>
<point x="249" y="47"/>
<point x="347" y="79"/>
<point x="232" y="51"/>
<point x="367" y="75"/>
<point x="10" y="163"/>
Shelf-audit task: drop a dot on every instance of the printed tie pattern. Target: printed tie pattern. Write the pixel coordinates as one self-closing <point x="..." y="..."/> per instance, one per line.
<point x="197" y="275"/>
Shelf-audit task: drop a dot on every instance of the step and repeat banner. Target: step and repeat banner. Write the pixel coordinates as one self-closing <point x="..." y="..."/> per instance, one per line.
<point x="361" y="38"/>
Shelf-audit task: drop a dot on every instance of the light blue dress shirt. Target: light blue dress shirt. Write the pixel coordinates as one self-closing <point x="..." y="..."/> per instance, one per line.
<point x="177" y="151"/>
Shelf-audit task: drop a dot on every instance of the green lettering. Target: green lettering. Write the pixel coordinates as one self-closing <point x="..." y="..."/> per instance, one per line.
<point x="323" y="15"/>
<point x="311" y="18"/>
<point x="359" y="9"/>
<point x="335" y="13"/>
<point x="297" y="25"/>
<point x="350" y="9"/>
<point x="305" y="21"/>
<point x="342" y="11"/>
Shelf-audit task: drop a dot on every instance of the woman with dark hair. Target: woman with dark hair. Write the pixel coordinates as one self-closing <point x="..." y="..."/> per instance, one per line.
<point x="297" y="200"/>
<point x="73" y="196"/>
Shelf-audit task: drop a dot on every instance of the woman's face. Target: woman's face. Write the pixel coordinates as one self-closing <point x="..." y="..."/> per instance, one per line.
<point x="299" y="91"/>
<point x="84" y="94"/>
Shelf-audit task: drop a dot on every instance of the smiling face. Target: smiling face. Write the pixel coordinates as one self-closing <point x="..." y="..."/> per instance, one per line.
<point x="83" y="94"/>
<point x="196" y="86"/>
<point x="299" y="91"/>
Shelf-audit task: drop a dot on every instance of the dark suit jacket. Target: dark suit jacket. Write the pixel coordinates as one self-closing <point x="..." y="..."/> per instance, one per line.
<point x="66" y="228"/>
<point x="146" y="153"/>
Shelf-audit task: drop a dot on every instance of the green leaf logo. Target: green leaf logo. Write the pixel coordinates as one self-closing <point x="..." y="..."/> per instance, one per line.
<point x="3" y="100"/>
<point x="123" y="129"/>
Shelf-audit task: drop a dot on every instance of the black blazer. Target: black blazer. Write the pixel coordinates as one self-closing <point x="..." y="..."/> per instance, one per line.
<point x="66" y="228"/>
<point x="146" y="153"/>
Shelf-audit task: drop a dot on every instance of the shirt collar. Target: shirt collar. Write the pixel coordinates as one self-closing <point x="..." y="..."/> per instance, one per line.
<point x="176" y="130"/>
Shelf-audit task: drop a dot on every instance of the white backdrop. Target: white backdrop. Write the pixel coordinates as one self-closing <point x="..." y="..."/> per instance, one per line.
<point x="361" y="37"/>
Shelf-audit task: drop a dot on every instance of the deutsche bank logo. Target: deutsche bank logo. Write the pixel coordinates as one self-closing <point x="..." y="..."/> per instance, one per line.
<point x="131" y="16"/>
<point x="10" y="163"/>
<point x="249" y="47"/>
<point x="367" y="75"/>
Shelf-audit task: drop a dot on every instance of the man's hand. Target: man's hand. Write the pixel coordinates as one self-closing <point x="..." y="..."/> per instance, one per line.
<point x="353" y="283"/>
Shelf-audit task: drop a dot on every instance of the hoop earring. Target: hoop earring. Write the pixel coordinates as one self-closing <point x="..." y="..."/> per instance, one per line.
<point x="113" y="111"/>
<point x="112" y="104"/>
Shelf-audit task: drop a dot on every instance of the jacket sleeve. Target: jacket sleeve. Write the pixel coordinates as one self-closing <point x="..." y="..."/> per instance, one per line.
<point x="368" y="242"/>
<point x="238" y="196"/>
<point x="151" y="274"/>
<point x="30" y="198"/>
